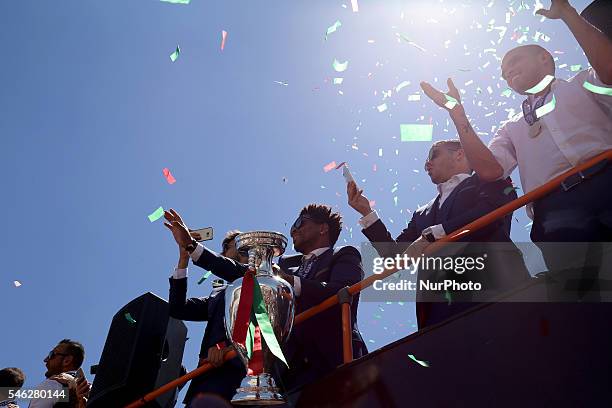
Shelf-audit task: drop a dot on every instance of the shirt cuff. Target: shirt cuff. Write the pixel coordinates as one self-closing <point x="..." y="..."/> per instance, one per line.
<point x="297" y="286"/>
<point x="195" y="255"/>
<point x="367" y="220"/>
<point x="438" y="231"/>
<point x="179" y="273"/>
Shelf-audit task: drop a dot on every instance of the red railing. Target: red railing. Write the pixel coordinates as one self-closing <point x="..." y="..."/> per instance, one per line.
<point x="345" y="294"/>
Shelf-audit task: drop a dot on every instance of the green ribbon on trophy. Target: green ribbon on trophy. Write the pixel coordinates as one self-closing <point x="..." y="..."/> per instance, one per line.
<point x="263" y="320"/>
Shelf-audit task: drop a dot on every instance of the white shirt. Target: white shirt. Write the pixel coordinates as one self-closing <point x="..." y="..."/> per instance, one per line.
<point x="48" y="386"/>
<point x="579" y="128"/>
<point x="444" y="189"/>
<point x="195" y="255"/>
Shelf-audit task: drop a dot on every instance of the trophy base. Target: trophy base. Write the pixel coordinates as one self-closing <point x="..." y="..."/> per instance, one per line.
<point x="258" y="390"/>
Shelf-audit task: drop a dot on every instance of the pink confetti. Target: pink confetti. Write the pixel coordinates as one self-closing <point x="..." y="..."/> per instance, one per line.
<point x="169" y="177"/>
<point x="223" y="37"/>
<point x="374" y="167"/>
<point x="355" y="6"/>
<point x="372" y="203"/>
<point x="329" y="167"/>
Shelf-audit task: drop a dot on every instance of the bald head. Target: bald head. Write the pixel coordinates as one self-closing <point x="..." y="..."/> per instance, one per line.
<point x="524" y="66"/>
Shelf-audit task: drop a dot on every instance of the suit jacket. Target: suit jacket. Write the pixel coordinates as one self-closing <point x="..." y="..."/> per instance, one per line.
<point x="315" y="346"/>
<point x="470" y="200"/>
<point x="223" y="380"/>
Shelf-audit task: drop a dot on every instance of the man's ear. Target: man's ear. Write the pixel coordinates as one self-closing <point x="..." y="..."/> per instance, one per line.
<point x="324" y="229"/>
<point x="68" y="360"/>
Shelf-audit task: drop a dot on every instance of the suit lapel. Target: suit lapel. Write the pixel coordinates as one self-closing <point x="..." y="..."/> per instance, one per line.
<point x="448" y="203"/>
<point x="321" y="265"/>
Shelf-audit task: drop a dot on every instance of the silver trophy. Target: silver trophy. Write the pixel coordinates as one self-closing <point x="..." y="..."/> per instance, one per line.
<point x="278" y="297"/>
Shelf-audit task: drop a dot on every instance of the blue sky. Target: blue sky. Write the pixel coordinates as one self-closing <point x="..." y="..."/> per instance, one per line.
<point x="92" y="109"/>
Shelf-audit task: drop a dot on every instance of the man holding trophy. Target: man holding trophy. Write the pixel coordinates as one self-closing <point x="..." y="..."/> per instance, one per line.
<point x="277" y="294"/>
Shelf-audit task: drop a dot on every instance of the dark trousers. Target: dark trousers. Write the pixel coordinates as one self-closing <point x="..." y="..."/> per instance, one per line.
<point x="222" y="381"/>
<point x="573" y="229"/>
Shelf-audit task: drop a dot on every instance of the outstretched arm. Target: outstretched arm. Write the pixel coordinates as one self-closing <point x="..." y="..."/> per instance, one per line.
<point x="482" y="161"/>
<point x="596" y="45"/>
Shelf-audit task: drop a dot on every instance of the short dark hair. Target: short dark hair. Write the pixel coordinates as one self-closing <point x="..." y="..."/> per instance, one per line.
<point x="229" y="237"/>
<point x="12" y="377"/>
<point x="323" y="214"/>
<point x="451" y="144"/>
<point x="76" y="350"/>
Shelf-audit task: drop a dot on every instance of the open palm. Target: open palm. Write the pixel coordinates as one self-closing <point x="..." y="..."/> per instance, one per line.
<point x="440" y="98"/>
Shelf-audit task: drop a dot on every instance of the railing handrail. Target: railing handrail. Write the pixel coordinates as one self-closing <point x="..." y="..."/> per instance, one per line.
<point x="475" y="225"/>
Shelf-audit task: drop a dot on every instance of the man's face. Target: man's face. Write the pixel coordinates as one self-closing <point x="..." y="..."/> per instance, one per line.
<point x="523" y="68"/>
<point x="231" y="251"/>
<point x="441" y="164"/>
<point x="304" y="231"/>
<point x="57" y="360"/>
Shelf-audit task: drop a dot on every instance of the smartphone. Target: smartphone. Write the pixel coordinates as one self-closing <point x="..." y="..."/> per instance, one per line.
<point x="205" y="234"/>
<point x="347" y="174"/>
<point x="80" y="374"/>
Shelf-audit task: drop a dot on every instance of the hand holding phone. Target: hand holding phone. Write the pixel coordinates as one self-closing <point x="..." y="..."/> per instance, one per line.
<point x="202" y="234"/>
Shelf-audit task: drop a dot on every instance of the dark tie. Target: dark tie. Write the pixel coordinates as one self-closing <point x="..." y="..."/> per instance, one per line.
<point x="305" y="267"/>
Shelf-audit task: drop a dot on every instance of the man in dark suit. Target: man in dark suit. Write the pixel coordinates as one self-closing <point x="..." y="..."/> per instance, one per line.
<point x="225" y="378"/>
<point x="315" y="346"/>
<point x="462" y="198"/>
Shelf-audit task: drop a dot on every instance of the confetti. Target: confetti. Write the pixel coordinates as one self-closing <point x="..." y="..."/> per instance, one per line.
<point x="169" y="177"/>
<point x="156" y="215"/>
<point x="340" y="66"/>
<point x="416" y="133"/>
<point x="329" y="166"/>
<point x="17" y="284"/>
<point x="448" y="297"/>
<point x="507" y="92"/>
<point x="355" y="6"/>
<point x="223" y="38"/>
<point x="549" y="107"/>
<point x="203" y="278"/>
<point x="450" y="102"/>
<point x="382" y="108"/>
<point x="338" y="81"/>
<point x="333" y="28"/>
<point x="402" y="85"/>
<point x="575" y="68"/>
<point x="176" y="1"/>
<point x="281" y="83"/>
<point x="510" y="189"/>
<point x="129" y="318"/>
<point x="541" y="85"/>
<point x="174" y="56"/>
<point x="597" y="89"/>
<point x="423" y="363"/>
<point x="414" y="98"/>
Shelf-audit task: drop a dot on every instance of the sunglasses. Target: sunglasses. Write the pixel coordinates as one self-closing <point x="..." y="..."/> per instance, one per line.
<point x="53" y="354"/>
<point x="300" y="221"/>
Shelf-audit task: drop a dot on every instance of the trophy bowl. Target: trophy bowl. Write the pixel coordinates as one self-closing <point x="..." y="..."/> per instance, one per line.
<point x="261" y="246"/>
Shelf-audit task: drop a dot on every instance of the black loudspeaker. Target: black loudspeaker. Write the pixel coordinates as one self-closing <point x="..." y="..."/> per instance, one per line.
<point x="143" y="351"/>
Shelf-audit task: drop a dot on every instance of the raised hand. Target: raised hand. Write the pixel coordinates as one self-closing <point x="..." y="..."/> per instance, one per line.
<point x="179" y="230"/>
<point x="357" y="200"/>
<point x="557" y="10"/>
<point x="438" y="97"/>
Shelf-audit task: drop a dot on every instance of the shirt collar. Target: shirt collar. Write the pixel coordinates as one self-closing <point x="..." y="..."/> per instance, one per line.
<point x="450" y="184"/>
<point x="316" y="252"/>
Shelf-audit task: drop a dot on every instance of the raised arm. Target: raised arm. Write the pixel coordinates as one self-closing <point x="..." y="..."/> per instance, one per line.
<point x="478" y="154"/>
<point x="596" y="45"/>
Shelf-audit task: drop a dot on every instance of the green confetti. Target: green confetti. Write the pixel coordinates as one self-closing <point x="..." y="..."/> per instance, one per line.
<point x="340" y="66"/>
<point x="176" y="1"/>
<point x="402" y="85"/>
<point x="447" y="296"/>
<point x="338" y="81"/>
<point x="156" y="215"/>
<point x="416" y="133"/>
<point x="507" y="92"/>
<point x="546" y="109"/>
<point x="129" y="318"/>
<point x="509" y="189"/>
<point x="204" y="277"/>
<point x="597" y="89"/>
<point x="333" y="28"/>
<point x="541" y="85"/>
<point x="575" y="68"/>
<point x="174" y="56"/>
<point x="423" y="363"/>
<point x="450" y="102"/>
